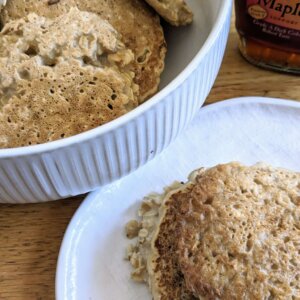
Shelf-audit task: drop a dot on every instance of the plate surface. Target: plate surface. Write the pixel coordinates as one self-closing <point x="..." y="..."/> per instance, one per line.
<point x="91" y="262"/>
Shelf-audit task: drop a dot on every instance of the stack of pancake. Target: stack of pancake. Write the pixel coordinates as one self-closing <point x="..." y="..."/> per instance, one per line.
<point x="67" y="66"/>
<point x="230" y="232"/>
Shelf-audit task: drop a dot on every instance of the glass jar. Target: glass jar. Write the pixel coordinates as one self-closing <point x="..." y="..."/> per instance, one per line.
<point x="269" y="32"/>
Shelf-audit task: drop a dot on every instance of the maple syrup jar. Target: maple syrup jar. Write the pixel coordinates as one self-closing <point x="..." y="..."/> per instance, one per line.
<point x="269" y="33"/>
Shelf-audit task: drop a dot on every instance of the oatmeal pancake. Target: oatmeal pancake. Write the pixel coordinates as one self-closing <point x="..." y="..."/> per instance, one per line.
<point x="137" y="23"/>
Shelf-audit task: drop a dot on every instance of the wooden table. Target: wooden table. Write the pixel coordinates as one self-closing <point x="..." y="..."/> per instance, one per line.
<point x="30" y="235"/>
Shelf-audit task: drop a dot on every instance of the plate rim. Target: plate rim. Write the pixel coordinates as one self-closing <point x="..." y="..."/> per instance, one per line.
<point x="67" y="241"/>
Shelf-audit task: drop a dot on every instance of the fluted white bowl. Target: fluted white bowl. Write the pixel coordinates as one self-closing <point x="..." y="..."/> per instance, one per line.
<point x="81" y="163"/>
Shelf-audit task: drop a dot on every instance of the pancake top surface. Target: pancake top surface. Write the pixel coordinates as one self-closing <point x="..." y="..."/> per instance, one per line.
<point x="231" y="232"/>
<point x="138" y="25"/>
<point x="70" y="100"/>
<point x="240" y="234"/>
<point x="56" y="83"/>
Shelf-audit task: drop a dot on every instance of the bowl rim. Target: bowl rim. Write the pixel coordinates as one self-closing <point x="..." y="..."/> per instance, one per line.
<point x="122" y="120"/>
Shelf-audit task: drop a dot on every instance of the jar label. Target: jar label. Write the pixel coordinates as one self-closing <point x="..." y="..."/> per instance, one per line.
<point x="273" y="22"/>
<point x="282" y="13"/>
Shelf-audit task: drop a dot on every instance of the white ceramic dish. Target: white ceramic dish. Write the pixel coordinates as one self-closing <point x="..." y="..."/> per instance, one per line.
<point x="91" y="263"/>
<point x="83" y="162"/>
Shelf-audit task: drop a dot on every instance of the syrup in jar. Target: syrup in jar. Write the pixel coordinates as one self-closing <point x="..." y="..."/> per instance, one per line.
<point x="269" y="32"/>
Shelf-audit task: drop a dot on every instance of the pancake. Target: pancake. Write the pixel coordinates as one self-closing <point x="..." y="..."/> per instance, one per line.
<point x="68" y="101"/>
<point x="138" y="25"/>
<point x="17" y="9"/>
<point x="154" y="256"/>
<point x="240" y="234"/>
<point x="55" y="84"/>
<point x="86" y="37"/>
<point x="231" y="232"/>
<point x="175" y="12"/>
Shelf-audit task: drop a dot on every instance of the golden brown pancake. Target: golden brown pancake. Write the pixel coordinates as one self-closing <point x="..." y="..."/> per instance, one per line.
<point x="240" y="234"/>
<point x="70" y="100"/>
<point x="138" y="24"/>
<point x="56" y="83"/>
<point x="231" y="232"/>
<point x="154" y="256"/>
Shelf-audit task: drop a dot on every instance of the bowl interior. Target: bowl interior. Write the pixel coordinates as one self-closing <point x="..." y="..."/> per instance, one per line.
<point x="185" y="42"/>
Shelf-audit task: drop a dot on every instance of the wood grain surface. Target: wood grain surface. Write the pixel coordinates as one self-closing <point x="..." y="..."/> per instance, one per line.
<point x="30" y="235"/>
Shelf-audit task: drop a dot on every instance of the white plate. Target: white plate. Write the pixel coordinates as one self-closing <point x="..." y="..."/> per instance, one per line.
<point x="91" y="262"/>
